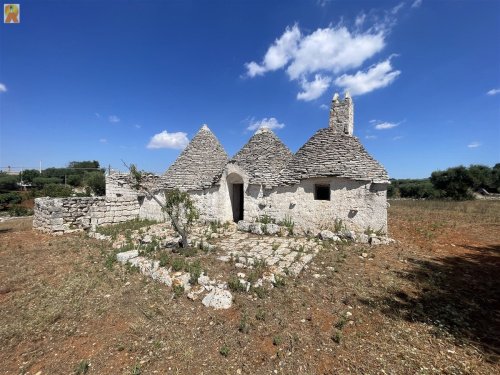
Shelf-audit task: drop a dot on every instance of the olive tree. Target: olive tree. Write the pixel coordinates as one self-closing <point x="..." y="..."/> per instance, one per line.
<point x="178" y="206"/>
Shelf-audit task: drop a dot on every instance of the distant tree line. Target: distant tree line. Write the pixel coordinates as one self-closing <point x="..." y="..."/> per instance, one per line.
<point x="457" y="183"/>
<point x="52" y="182"/>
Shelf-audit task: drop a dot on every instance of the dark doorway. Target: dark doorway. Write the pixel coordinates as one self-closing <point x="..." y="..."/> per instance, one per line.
<point x="237" y="202"/>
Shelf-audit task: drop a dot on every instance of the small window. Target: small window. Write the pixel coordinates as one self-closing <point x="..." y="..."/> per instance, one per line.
<point x="322" y="192"/>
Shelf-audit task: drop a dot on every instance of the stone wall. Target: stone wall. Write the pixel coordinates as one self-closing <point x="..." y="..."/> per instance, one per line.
<point x="118" y="185"/>
<point x="63" y="215"/>
<point x="358" y="204"/>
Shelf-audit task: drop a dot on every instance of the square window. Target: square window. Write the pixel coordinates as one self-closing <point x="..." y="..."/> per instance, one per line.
<point x="322" y="192"/>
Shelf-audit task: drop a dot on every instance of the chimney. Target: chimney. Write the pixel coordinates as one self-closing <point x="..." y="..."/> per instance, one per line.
<point x="342" y="114"/>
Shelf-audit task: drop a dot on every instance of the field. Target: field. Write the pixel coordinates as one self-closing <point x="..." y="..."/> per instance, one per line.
<point x="427" y="304"/>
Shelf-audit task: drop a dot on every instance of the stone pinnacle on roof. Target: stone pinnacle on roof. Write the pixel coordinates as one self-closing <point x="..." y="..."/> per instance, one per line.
<point x="342" y="114"/>
<point x="263" y="157"/>
<point x="199" y="165"/>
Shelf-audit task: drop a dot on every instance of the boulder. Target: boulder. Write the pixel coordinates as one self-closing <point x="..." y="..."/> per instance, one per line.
<point x="218" y="299"/>
<point x="328" y="235"/>
<point x="126" y="255"/>
<point x="256" y="228"/>
<point x="243" y="226"/>
<point x="272" y="228"/>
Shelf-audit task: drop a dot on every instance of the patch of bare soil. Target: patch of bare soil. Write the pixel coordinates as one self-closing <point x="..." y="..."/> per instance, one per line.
<point x="426" y="304"/>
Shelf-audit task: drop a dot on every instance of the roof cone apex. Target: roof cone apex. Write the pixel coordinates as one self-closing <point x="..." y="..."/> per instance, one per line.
<point x="263" y="129"/>
<point x="205" y="127"/>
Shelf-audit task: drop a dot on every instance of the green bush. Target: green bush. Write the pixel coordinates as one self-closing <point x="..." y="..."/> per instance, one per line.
<point x="455" y="183"/>
<point x="41" y="182"/>
<point x="96" y="182"/>
<point x="56" y="191"/>
<point x="17" y="210"/>
<point x="8" y="183"/>
<point x="9" y="198"/>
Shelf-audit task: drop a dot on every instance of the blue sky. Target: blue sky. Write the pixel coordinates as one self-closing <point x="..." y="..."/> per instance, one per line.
<point x="134" y="80"/>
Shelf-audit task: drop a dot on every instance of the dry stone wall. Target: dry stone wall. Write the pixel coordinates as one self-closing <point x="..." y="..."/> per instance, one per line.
<point x="63" y="215"/>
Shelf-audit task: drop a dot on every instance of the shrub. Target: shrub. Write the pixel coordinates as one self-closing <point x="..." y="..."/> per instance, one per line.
<point x="454" y="182"/>
<point x="20" y="211"/>
<point x="8" y="183"/>
<point x="56" y="191"/>
<point x="9" y="198"/>
<point x="41" y="182"/>
<point x="96" y="182"/>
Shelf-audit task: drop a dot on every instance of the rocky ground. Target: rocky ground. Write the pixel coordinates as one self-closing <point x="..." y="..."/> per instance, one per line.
<point x="426" y="304"/>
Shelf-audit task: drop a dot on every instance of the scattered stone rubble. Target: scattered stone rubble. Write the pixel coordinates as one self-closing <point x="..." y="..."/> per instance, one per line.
<point x="280" y="253"/>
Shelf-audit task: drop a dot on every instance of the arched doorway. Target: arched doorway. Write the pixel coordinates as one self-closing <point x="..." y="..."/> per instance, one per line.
<point x="236" y="195"/>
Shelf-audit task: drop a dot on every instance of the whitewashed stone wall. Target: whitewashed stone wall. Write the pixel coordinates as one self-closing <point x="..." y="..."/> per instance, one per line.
<point x="60" y="215"/>
<point x="360" y="205"/>
<point x="150" y="209"/>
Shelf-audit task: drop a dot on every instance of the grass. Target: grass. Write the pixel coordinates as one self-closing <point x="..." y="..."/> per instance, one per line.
<point x="484" y="210"/>
<point x="82" y="368"/>
<point x="114" y="230"/>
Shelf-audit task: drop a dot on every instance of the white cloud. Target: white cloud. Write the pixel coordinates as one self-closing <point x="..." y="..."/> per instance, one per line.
<point x="114" y="119"/>
<point x="386" y="125"/>
<point x="373" y="121"/>
<point x="103" y="140"/>
<point x="269" y="123"/>
<point x="323" y="3"/>
<point x="333" y="50"/>
<point x="474" y="145"/>
<point x="98" y="115"/>
<point x="3" y="88"/>
<point x="491" y="92"/>
<point x="137" y="126"/>
<point x="376" y="77"/>
<point x="371" y="137"/>
<point x="360" y="20"/>
<point x="416" y="4"/>
<point x="278" y="54"/>
<point x="324" y="106"/>
<point x="397" y="138"/>
<point x="397" y="8"/>
<point x="165" y="139"/>
<point x="316" y="59"/>
<point x="313" y="89"/>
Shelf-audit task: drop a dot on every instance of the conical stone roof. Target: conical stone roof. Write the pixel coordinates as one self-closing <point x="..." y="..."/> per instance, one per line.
<point x="199" y="165"/>
<point x="328" y="154"/>
<point x="263" y="157"/>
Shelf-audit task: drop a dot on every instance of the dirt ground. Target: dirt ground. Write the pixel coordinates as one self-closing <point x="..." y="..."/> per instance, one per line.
<point x="427" y="304"/>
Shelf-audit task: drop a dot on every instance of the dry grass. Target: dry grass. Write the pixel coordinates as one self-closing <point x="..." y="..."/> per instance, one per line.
<point x="419" y="306"/>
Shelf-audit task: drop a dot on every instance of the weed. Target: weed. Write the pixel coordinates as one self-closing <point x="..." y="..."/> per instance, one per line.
<point x="260" y="315"/>
<point x="338" y="225"/>
<point x="235" y="285"/>
<point x="265" y="219"/>
<point x="277" y="340"/>
<point x="279" y="281"/>
<point x="164" y="259"/>
<point x="341" y="322"/>
<point x="195" y="272"/>
<point x="82" y="367"/>
<point x="224" y="350"/>
<point x="337" y="337"/>
<point x="131" y="268"/>
<point x="215" y="225"/>
<point x="288" y="223"/>
<point x="115" y="230"/>
<point x="275" y="246"/>
<point x="244" y="326"/>
<point x="110" y="261"/>
<point x="136" y="370"/>
<point x="178" y="290"/>
<point x="178" y="264"/>
<point x="259" y="291"/>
